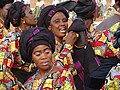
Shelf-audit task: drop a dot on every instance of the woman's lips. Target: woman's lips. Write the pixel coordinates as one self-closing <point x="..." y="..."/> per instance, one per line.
<point x="45" y="63"/>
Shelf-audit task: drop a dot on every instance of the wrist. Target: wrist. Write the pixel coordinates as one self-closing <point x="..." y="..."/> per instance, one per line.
<point x="69" y="46"/>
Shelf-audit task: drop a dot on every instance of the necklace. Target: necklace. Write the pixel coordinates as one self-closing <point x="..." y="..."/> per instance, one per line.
<point x="39" y="83"/>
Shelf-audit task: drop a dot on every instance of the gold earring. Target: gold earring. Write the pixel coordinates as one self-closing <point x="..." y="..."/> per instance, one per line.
<point x="24" y="22"/>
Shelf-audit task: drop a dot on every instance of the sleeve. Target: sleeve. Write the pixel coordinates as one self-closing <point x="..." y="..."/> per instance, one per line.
<point x="112" y="79"/>
<point x="65" y="81"/>
<point x="64" y="58"/>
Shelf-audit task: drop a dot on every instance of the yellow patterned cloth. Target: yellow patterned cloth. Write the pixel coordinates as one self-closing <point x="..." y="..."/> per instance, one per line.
<point x="60" y="80"/>
<point x="112" y="81"/>
<point x="103" y="42"/>
<point x="11" y="45"/>
<point x="63" y="57"/>
<point x="3" y="32"/>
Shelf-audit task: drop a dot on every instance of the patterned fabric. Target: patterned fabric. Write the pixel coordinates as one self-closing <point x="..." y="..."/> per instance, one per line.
<point x="7" y="80"/>
<point x="3" y="31"/>
<point x="103" y="42"/>
<point x="60" y="80"/>
<point x="63" y="57"/>
<point x="112" y="81"/>
<point x="10" y="82"/>
<point x="11" y="44"/>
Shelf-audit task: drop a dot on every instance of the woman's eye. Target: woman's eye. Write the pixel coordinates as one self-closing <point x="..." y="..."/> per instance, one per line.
<point x="57" y="21"/>
<point x="47" y="51"/>
<point x="37" y="54"/>
<point x="64" y="20"/>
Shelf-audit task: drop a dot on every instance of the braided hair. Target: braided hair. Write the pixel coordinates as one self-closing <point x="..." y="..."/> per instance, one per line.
<point x="14" y="15"/>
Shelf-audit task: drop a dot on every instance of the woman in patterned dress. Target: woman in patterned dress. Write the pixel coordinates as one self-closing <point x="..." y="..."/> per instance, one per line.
<point x="38" y="46"/>
<point x="8" y="81"/>
<point x="55" y="18"/>
<point x="22" y="18"/>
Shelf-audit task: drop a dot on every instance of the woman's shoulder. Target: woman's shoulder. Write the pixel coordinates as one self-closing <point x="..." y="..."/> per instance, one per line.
<point x="60" y="71"/>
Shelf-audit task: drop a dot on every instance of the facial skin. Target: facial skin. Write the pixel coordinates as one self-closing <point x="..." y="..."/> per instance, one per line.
<point x="59" y="25"/>
<point x="4" y="10"/>
<point x="88" y="23"/>
<point x="42" y="57"/>
<point x="30" y="18"/>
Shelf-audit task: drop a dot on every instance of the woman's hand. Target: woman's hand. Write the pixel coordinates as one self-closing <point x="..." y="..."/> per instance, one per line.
<point x="71" y="38"/>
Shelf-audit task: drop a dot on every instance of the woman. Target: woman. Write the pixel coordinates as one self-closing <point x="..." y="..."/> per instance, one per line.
<point x="56" y="19"/>
<point x="103" y="38"/>
<point x="38" y="45"/>
<point x="21" y="17"/>
<point x="8" y="81"/>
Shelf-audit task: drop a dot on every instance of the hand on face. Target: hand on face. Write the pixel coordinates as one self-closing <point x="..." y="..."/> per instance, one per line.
<point x="71" y="38"/>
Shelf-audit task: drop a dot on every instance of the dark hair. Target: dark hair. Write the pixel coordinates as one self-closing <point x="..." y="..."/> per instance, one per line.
<point x="15" y="13"/>
<point x="4" y="2"/>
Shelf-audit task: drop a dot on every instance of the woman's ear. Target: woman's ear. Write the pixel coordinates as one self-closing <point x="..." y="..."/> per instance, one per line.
<point x="22" y="20"/>
<point x="49" y="27"/>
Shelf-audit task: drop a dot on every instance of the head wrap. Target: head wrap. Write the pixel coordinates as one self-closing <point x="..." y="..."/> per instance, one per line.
<point x="47" y="13"/>
<point x="33" y="37"/>
<point x="77" y="22"/>
<point x="85" y="9"/>
<point x="4" y="2"/>
<point x="15" y="13"/>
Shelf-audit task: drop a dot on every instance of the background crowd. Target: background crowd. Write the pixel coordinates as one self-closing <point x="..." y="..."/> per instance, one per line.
<point x="59" y="45"/>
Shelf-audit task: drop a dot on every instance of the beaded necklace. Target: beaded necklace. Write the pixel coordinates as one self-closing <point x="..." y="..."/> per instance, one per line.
<point x="42" y="80"/>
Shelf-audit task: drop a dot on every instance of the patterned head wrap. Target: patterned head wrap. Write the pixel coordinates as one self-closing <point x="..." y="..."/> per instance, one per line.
<point x="33" y="37"/>
<point x="47" y="13"/>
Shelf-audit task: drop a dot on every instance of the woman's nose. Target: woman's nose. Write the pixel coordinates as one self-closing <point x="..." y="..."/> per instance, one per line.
<point x="62" y="23"/>
<point x="43" y="56"/>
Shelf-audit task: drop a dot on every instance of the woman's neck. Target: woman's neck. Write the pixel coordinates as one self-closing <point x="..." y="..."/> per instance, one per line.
<point x="24" y="27"/>
<point x="42" y="73"/>
<point x="60" y="40"/>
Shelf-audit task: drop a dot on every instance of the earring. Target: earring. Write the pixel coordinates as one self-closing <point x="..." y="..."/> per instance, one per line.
<point x="24" y="22"/>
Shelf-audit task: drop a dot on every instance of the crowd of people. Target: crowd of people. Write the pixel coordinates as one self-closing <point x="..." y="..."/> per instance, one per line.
<point x="39" y="50"/>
